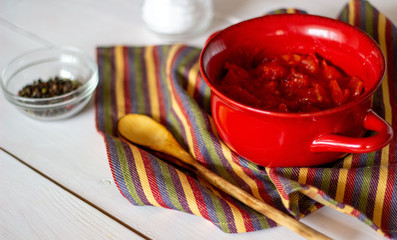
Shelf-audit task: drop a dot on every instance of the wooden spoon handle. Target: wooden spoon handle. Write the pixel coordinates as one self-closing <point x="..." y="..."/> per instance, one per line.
<point x="267" y="210"/>
<point x="145" y="131"/>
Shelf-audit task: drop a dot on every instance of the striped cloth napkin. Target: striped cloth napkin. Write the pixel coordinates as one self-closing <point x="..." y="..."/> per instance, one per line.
<point x="164" y="82"/>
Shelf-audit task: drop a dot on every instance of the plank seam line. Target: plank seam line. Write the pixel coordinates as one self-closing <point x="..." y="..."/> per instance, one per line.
<point x="78" y="196"/>
<point x="26" y="33"/>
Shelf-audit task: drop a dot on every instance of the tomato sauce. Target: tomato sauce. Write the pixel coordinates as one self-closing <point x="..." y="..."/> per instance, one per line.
<point x="296" y="83"/>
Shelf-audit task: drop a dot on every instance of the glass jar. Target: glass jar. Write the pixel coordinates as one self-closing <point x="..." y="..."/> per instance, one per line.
<point x="176" y="19"/>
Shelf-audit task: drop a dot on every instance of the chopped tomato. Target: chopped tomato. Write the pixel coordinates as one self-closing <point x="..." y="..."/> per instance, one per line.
<point x="291" y="59"/>
<point x="336" y="92"/>
<point x="356" y="86"/>
<point x="290" y="83"/>
<point x="299" y="80"/>
<point x="310" y="64"/>
<point x="330" y="72"/>
<point x="272" y="70"/>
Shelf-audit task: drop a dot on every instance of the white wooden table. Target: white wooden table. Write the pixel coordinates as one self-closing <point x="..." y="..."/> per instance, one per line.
<point x="55" y="180"/>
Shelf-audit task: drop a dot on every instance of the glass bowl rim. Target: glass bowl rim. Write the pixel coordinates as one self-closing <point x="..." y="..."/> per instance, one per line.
<point x="57" y="101"/>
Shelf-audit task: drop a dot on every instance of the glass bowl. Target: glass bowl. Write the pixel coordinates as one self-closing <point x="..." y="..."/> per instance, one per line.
<point x="63" y="62"/>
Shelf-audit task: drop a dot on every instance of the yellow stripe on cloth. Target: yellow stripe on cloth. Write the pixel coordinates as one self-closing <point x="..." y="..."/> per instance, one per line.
<point x="385" y="155"/>
<point x="342" y="178"/>
<point x="381" y="188"/>
<point x="348" y="161"/>
<point x="192" y="79"/>
<point x="211" y="120"/>
<point x="190" y="198"/>
<point x="341" y="185"/>
<point x="174" y="103"/>
<point x="119" y="62"/>
<point x="380" y="195"/>
<point x="385" y="84"/>
<point x="152" y="83"/>
<point x="140" y="166"/>
<point x="351" y="12"/>
<point x="303" y="175"/>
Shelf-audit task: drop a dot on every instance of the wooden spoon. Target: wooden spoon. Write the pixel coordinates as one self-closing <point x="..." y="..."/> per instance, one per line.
<point x="145" y="131"/>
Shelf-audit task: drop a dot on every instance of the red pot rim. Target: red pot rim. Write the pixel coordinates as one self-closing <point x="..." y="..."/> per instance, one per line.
<point x="367" y="94"/>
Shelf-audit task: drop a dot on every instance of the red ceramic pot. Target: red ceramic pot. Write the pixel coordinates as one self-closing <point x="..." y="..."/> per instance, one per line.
<point x="297" y="139"/>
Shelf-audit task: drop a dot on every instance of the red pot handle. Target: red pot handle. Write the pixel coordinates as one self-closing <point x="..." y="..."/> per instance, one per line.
<point x="338" y="143"/>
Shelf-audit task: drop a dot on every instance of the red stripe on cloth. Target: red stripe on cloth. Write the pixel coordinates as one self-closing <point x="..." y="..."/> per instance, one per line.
<point x="113" y="101"/>
<point x="391" y="72"/>
<point x="351" y="175"/>
<point x="158" y="87"/>
<point x="375" y="21"/>
<point x="355" y="161"/>
<point x="276" y="181"/>
<point x="199" y="198"/>
<point x="127" y="96"/>
<point x="357" y="13"/>
<point x="249" y="226"/>
<point x="196" y="93"/>
<point x="391" y="175"/>
<point x="311" y="172"/>
<point x="355" y="213"/>
<point x="152" y="181"/>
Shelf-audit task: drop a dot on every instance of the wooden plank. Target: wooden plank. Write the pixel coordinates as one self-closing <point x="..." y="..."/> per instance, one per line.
<point x="32" y="207"/>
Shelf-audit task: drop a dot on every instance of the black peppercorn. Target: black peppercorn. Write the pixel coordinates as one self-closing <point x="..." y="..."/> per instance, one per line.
<point x="53" y="87"/>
